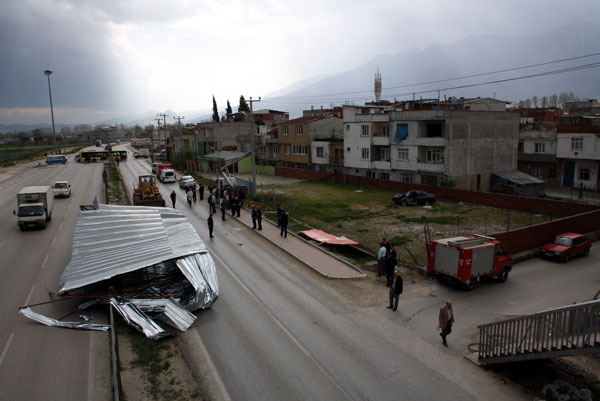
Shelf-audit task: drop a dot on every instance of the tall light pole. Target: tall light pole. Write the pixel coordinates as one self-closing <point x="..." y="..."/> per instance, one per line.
<point x="48" y="72"/>
<point x="253" y="186"/>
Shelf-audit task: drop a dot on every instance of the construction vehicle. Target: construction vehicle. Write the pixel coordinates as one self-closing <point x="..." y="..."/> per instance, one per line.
<point x="465" y="260"/>
<point x="146" y="193"/>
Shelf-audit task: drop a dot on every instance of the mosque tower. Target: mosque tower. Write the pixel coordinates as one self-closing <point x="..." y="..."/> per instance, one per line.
<point x="377" y="86"/>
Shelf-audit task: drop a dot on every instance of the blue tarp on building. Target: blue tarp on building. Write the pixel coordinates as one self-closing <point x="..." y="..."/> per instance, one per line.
<point x="401" y="132"/>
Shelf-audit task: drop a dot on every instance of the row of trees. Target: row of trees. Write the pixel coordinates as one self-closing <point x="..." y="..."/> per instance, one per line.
<point x="229" y="116"/>
<point x="555" y="100"/>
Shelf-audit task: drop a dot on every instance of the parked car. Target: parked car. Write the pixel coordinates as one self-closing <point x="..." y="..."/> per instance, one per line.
<point x="187" y="181"/>
<point x="61" y="189"/>
<point x="565" y="246"/>
<point x="414" y="197"/>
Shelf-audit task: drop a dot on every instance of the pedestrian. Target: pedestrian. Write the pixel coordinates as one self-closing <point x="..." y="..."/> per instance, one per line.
<point x="580" y="196"/>
<point x="238" y="206"/>
<point x="189" y="197"/>
<point x="278" y="216"/>
<point x="194" y="192"/>
<point x="386" y="244"/>
<point x="173" y="198"/>
<point x="210" y="225"/>
<point x="395" y="291"/>
<point x="234" y="206"/>
<point x="446" y="318"/>
<point x="284" y="223"/>
<point x="201" y="191"/>
<point x="253" y="214"/>
<point x="390" y="265"/>
<point x="259" y="217"/>
<point x="223" y="208"/>
<point x="381" y="254"/>
<point x="211" y="204"/>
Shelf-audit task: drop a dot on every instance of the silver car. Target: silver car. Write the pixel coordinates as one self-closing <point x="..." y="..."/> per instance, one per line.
<point x="187" y="181"/>
<point x="62" y="189"/>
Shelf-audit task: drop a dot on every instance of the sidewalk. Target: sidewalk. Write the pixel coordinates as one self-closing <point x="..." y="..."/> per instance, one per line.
<point x="571" y="194"/>
<point x="321" y="261"/>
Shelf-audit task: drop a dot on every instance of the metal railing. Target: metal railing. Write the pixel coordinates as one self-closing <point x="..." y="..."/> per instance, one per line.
<point x="569" y="330"/>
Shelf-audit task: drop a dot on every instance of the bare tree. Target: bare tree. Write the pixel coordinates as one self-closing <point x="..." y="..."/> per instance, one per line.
<point x="544" y="102"/>
<point x="521" y="104"/>
<point x="528" y="103"/>
<point x="535" y="101"/>
<point x="554" y="100"/>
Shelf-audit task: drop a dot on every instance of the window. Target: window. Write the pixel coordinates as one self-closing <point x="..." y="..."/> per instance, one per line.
<point x="434" y="156"/>
<point x="370" y="174"/>
<point x="540" y="147"/>
<point x="284" y="130"/>
<point x="288" y="149"/>
<point x="536" y="172"/>
<point x="320" y="151"/>
<point x="364" y="130"/>
<point x="347" y="127"/>
<point x="521" y="146"/>
<point x="365" y="153"/>
<point x="403" y="154"/>
<point x="386" y="130"/>
<point x="434" y="130"/>
<point x="384" y="176"/>
<point x="577" y="143"/>
<point x="407" y="177"/>
<point x="276" y="150"/>
<point x="584" y="174"/>
<point x="299" y="130"/>
<point x="385" y="154"/>
<point x="300" y="150"/>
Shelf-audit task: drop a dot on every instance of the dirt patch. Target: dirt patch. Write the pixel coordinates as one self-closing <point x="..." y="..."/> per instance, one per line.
<point x="153" y="370"/>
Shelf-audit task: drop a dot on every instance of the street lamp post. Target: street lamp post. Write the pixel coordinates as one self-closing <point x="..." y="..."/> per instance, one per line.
<point x="48" y="72"/>
<point x="252" y="133"/>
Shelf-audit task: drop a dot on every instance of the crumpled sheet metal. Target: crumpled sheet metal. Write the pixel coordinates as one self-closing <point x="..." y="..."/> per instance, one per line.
<point x="135" y="317"/>
<point x="201" y="272"/>
<point x="118" y="239"/>
<point x="168" y="311"/>
<point x="57" y="323"/>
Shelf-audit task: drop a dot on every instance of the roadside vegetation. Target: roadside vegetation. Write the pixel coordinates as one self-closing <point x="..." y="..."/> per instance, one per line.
<point x="368" y="214"/>
<point x="11" y="155"/>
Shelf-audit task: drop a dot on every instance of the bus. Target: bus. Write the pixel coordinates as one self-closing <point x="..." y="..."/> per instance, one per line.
<point x="90" y="156"/>
<point x="56" y="159"/>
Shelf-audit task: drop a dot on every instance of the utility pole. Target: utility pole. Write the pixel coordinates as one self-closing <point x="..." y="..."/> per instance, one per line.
<point x="158" y="128"/>
<point x="164" y="116"/>
<point x="252" y="133"/>
<point x="47" y="73"/>
<point x="179" y="137"/>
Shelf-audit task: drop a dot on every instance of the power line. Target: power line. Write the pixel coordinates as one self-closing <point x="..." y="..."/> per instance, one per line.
<point x="316" y="97"/>
<point x="529" y="76"/>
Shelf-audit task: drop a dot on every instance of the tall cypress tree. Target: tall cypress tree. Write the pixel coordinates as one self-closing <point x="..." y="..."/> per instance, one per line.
<point x="229" y="111"/>
<point x="243" y="105"/>
<point x="215" y="115"/>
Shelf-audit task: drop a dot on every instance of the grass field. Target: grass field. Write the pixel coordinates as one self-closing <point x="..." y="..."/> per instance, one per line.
<point x="367" y="214"/>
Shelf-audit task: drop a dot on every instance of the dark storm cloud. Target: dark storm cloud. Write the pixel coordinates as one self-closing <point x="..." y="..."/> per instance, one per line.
<point x="49" y="35"/>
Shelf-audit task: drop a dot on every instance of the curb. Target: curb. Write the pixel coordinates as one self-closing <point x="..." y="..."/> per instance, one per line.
<point x="328" y="276"/>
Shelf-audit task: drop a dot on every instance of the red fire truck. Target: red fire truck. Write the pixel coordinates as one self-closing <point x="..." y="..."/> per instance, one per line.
<point x="466" y="259"/>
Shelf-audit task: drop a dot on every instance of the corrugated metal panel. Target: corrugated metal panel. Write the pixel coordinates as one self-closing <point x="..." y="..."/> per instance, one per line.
<point x="119" y="239"/>
<point x="518" y="177"/>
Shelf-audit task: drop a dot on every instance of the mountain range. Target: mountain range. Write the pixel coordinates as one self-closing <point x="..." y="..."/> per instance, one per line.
<point x="473" y="55"/>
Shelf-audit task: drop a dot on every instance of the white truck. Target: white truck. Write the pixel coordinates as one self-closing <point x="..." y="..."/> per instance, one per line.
<point x="143" y="152"/>
<point x="34" y="206"/>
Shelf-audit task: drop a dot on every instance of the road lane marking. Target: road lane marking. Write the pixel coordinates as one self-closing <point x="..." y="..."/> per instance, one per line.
<point x="10" y="338"/>
<point x="45" y="260"/>
<point x="54" y="240"/>
<point x="2" y="243"/>
<point x="288" y="333"/>
<point x="60" y="227"/>
<point x="66" y="214"/>
<point x="29" y="296"/>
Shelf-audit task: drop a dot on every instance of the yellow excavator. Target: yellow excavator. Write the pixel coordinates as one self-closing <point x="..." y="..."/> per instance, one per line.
<point x="146" y="193"/>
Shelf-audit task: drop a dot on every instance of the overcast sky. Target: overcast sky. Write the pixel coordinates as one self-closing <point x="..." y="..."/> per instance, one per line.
<point x="113" y="58"/>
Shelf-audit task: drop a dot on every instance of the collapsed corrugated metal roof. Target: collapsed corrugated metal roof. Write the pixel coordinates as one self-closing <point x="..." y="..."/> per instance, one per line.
<point x="518" y="177"/>
<point x="141" y="259"/>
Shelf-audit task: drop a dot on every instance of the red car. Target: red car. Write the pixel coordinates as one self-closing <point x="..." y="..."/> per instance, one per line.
<point x="567" y="245"/>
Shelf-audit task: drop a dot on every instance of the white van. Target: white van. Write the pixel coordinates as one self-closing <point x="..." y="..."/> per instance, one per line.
<point x="167" y="175"/>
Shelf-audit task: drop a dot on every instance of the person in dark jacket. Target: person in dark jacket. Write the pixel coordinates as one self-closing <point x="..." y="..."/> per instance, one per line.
<point x="234" y="201"/>
<point x="279" y="211"/>
<point x="395" y="291"/>
<point x="211" y="225"/>
<point x="259" y="217"/>
<point x="201" y="191"/>
<point x="253" y="217"/>
<point x="390" y="265"/>
<point x="284" y="223"/>
<point x="446" y="318"/>
<point x="223" y="208"/>
<point x="173" y="198"/>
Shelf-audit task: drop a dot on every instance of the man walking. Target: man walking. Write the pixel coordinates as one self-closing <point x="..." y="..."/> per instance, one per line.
<point x="259" y="217"/>
<point x="390" y="265"/>
<point x="284" y="223"/>
<point x="210" y="225"/>
<point x="446" y="318"/>
<point x="173" y="198"/>
<point x="395" y="291"/>
<point x="278" y="216"/>
<point x="194" y="192"/>
<point x="189" y="197"/>
<point x="381" y="260"/>
<point x="201" y="191"/>
<point x="223" y="208"/>
<point x="211" y="203"/>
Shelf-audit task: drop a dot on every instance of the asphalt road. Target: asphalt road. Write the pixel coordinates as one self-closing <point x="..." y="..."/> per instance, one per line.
<point x="275" y="333"/>
<point x="37" y="362"/>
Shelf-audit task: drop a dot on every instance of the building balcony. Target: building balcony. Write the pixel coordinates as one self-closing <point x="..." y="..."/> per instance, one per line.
<point x="380" y="140"/>
<point x="381" y="164"/>
<point x="431" y="167"/>
<point x="434" y="142"/>
<point x="336" y="161"/>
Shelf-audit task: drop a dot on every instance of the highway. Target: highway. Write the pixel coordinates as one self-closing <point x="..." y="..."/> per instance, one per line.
<point x="277" y="330"/>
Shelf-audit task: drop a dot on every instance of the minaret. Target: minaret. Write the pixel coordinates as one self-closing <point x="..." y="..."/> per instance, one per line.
<point x="377" y="85"/>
